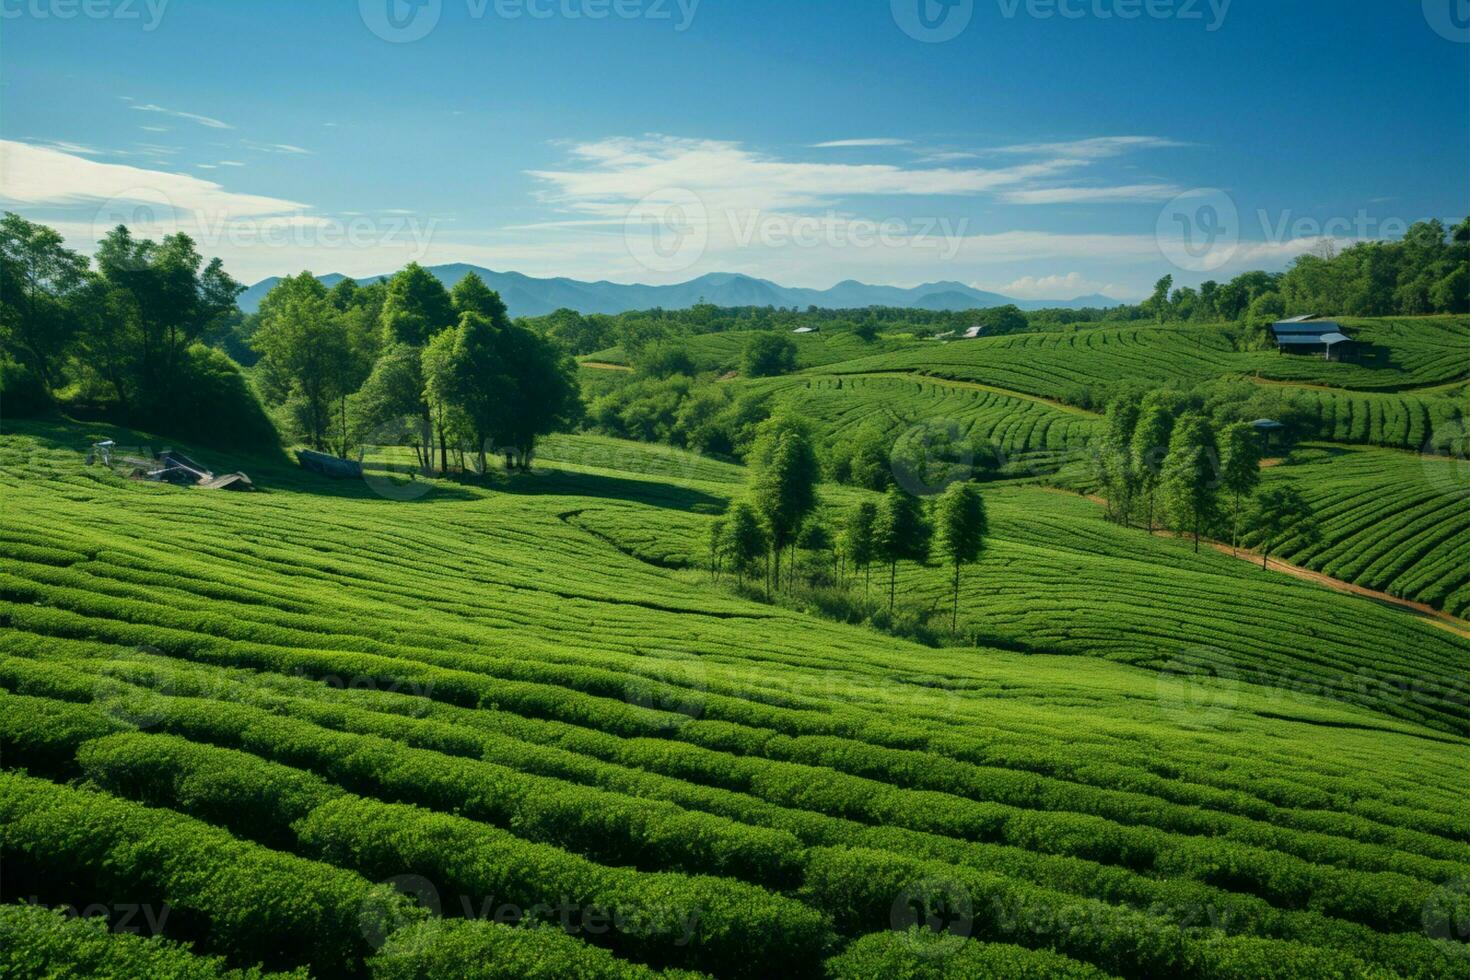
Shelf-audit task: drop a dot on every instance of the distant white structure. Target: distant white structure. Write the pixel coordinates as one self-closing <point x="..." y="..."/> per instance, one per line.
<point x="974" y="332"/>
<point x="807" y="330"/>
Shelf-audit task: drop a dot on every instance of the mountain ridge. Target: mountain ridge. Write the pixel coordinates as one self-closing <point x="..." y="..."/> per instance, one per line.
<point x="529" y="296"/>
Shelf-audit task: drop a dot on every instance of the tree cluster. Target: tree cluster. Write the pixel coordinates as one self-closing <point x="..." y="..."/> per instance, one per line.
<point x="1160" y="458"/>
<point x="407" y="361"/>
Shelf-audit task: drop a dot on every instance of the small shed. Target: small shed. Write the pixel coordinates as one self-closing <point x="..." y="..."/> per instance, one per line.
<point x="1301" y="335"/>
<point x="974" y="332"/>
<point x="1268" y="429"/>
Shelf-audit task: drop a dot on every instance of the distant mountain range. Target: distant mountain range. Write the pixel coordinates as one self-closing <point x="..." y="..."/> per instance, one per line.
<point x="528" y="296"/>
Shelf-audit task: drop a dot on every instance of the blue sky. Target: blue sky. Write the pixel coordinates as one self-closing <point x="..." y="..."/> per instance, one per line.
<point x="1048" y="148"/>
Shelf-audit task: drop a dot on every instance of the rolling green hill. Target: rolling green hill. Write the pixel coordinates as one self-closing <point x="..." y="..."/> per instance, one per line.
<point x="273" y="702"/>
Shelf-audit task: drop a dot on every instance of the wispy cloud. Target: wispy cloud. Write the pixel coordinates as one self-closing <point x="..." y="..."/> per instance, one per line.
<point x="1069" y="286"/>
<point x="871" y="141"/>
<point x="1131" y="193"/>
<point x="209" y="121"/>
<point x="287" y="148"/>
<point x="1095" y="148"/>
<point x="37" y="175"/>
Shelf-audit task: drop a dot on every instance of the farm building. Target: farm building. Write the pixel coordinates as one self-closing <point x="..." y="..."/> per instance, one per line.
<point x="974" y="332"/>
<point x="1308" y="335"/>
<point x="807" y="330"/>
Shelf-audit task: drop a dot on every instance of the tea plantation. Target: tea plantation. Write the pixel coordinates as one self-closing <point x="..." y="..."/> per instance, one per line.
<point x="444" y="729"/>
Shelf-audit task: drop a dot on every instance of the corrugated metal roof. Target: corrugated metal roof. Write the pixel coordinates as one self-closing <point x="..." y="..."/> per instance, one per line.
<point x="1316" y="326"/>
<point x="1333" y="338"/>
<point x="1304" y="339"/>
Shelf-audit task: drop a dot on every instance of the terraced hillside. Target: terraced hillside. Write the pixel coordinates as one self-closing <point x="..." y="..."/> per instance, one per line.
<point x="1392" y="355"/>
<point x="724" y="351"/>
<point x="1392" y="521"/>
<point x="259" y="709"/>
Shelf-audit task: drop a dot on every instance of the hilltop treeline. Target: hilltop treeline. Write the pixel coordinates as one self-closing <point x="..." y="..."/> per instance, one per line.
<point x="149" y="333"/>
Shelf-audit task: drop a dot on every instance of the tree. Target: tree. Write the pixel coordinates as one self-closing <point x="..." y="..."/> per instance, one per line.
<point x="1188" y="479"/>
<point x="389" y="406"/>
<point x="960" y="526"/>
<point x="1240" y="469"/>
<point x="856" y="539"/>
<point x="41" y="284"/>
<point x="1149" y="445"/>
<point x="303" y="342"/>
<point x="817" y="542"/>
<point x="900" y="533"/>
<point x="160" y="298"/>
<point x="1280" y="513"/>
<point x="1157" y="305"/>
<point x="745" y="538"/>
<point x="784" y="482"/>
<point x="768" y="354"/>
<point x="416" y="307"/>
<point x="471" y="295"/>
<point x="472" y="377"/>
<point x="1115" y="456"/>
<point x="717" y="546"/>
<point x="542" y="394"/>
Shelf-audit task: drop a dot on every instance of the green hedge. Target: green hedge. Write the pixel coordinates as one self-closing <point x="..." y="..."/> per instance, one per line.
<point x="254" y="904"/>
<point x="667" y="919"/>
<point x="921" y="955"/>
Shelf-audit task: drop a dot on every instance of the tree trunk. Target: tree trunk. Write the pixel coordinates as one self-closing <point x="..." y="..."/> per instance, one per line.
<point x="954" y="619"/>
<point x="1196" y="534"/>
<point x="892" y="581"/>
<point x="1235" y="531"/>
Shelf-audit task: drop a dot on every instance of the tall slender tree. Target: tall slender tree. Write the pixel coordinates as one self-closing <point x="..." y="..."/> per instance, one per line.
<point x="901" y="532"/>
<point x="857" y="540"/>
<point x="1240" y="470"/>
<point x="960" y="526"/>
<point x="1149" y="446"/>
<point x="746" y="541"/>
<point x="1189" y="480"/>
<point x="1280" y="513"/>
<point x="784" y="484"/>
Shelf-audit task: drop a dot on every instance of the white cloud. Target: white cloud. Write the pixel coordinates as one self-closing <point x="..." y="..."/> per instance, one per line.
<point x="273" y="147"/>
<point x="1131" y="193"/>
<point x="37" y="175"/>
<point x="1070" y="286"/>
<point x="872" y="141"/>
<point x="209" y="121"/>
<point x="1098" y="147"/>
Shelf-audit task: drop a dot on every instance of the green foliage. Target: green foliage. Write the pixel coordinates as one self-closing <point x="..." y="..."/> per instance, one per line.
<point x="22" y="392"/>
<point x="478" y="950"/>
<point x="1279" y="512"/>
<point x="40" y="942"/>
<point x="921" y="954"/>
<point x="416" y="307"/>
<point x="1189" y="478"/>
<point x="901" y="532"/>
<point x="960" y="526"/>
<point x="768" y="355"/>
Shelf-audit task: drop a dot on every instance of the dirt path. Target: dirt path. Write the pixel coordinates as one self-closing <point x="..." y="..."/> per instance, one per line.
<point x="1436" y="617"/>
<point x="603" y="366"/>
